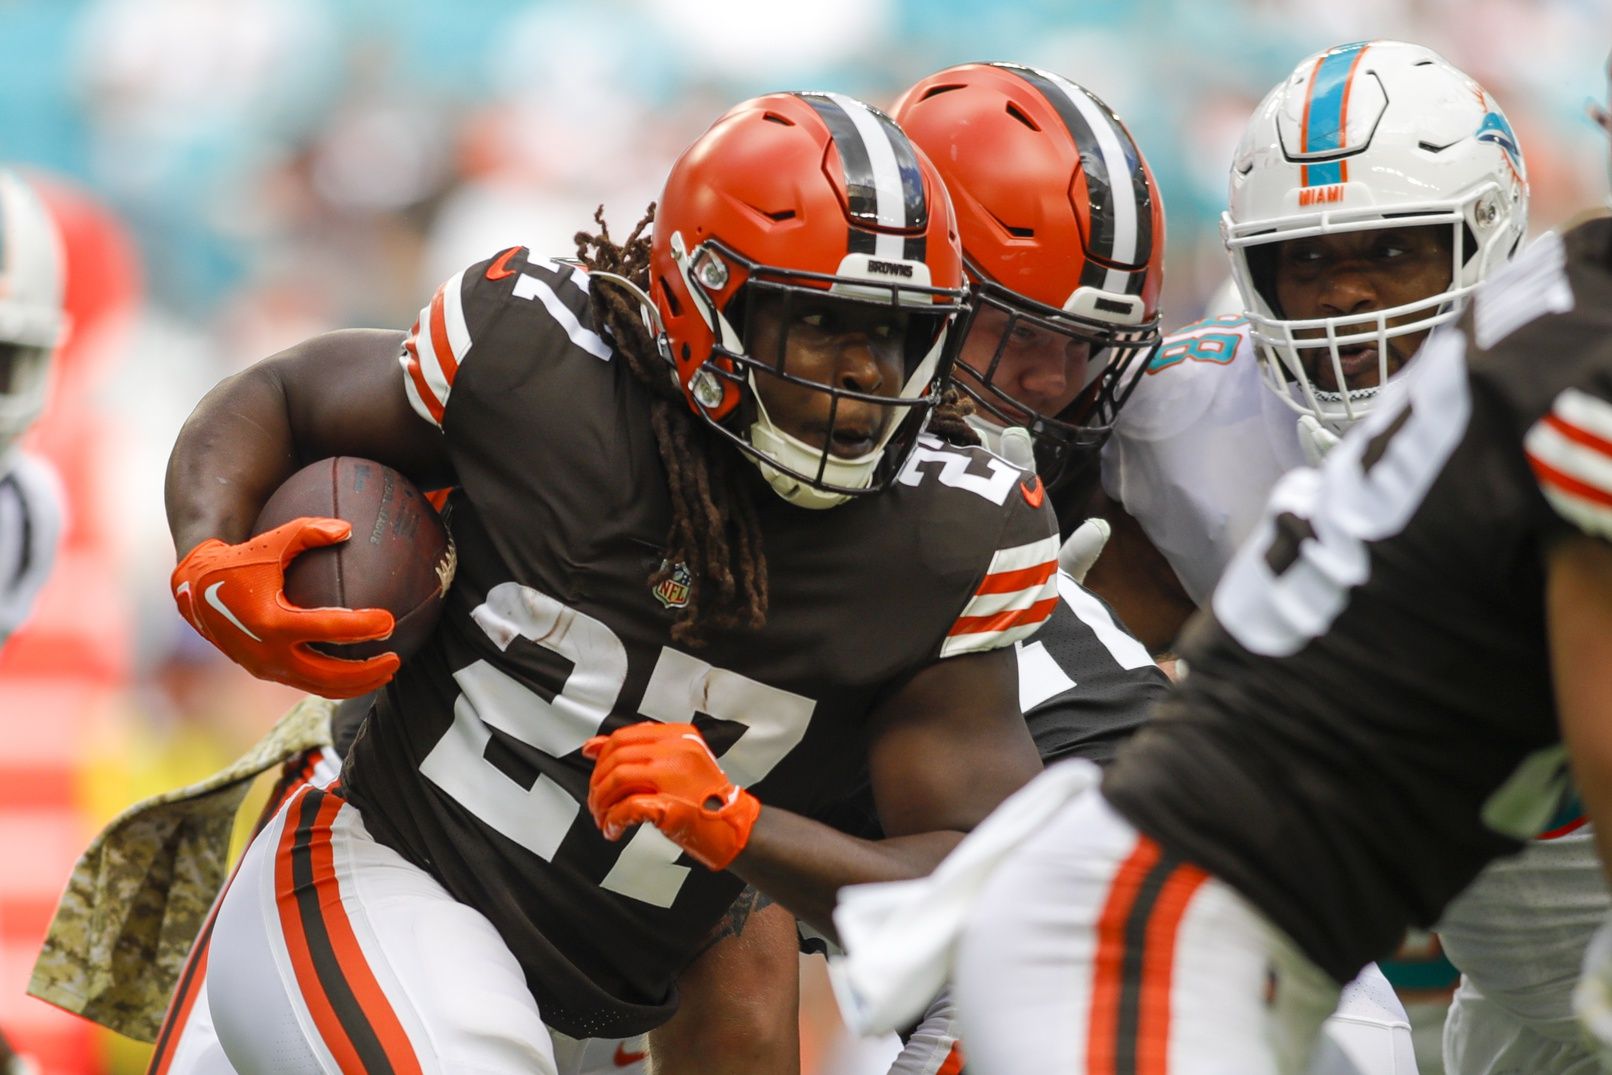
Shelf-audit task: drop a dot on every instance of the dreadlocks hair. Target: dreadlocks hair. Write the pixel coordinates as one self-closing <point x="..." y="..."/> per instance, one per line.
<point x="948" y="420"/>
<point x="714" y="531"/>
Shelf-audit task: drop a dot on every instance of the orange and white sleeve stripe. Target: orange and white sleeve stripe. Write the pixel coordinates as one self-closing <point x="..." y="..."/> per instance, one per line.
<point x="433" y="350"/>
<point x="1570" y="450"/>
<point x="1018" y="593"/>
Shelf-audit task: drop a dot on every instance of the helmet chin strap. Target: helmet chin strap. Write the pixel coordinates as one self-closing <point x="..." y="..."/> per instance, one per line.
<point x="788" y="450"/>
<point x="787" y="486"/>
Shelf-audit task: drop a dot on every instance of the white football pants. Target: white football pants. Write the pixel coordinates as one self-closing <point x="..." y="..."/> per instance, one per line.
<point x="1092" y="951"/>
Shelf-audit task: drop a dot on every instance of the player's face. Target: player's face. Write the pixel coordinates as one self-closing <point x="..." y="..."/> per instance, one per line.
<point x="1039" y="368"/>
<point x="1357" y="273"/>
<point x="851" y="346"/>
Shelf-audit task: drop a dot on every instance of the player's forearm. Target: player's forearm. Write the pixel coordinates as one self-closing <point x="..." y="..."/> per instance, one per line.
<point x="231" y="453"/>
<point x="1578" y="600"/>
<point x="803" y="863"/>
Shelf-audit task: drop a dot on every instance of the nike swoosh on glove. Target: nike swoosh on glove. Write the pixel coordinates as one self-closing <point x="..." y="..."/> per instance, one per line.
<point x="234" y="595"/>
<point x="665" y="775"/>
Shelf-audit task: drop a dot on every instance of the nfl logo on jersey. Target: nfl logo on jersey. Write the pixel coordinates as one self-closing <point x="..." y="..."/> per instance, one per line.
<point x="673" y="592"/>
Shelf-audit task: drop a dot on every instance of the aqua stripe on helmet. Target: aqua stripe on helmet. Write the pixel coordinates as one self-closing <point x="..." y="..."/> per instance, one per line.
<point x="1324" y="112"/>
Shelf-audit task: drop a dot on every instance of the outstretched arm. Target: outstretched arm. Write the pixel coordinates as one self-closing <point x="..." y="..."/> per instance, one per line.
<point x="1578" y="609"/>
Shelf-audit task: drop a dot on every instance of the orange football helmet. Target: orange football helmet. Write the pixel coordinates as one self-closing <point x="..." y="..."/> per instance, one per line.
<point x="805" y="197"/>
<point x="1063" y="232"/>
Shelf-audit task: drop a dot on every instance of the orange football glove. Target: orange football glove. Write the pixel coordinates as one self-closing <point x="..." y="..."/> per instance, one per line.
<point x="665" y="774"/>
<point x="234" y="595"/>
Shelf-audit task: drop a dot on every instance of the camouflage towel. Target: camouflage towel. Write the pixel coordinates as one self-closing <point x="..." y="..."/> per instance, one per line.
<point x="139" y="894"/>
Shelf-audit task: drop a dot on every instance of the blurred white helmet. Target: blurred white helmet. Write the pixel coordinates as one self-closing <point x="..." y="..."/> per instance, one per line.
<point x="32" y="323"/>
<point x="1364" y="136"/>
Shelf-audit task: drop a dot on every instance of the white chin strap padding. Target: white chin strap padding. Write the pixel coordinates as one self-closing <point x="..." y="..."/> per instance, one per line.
<point x="797" y="455"/>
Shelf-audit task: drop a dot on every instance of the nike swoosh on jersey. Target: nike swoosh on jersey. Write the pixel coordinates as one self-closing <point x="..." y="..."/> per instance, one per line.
<point x="624" y="1059"/>
<point x="211" y="595"/>
<point x="500" y="269"/>
<point x="1034" y="492"/>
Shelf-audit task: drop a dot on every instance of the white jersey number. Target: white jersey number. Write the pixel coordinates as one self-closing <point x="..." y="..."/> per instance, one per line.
<point x="951" y="467"/>
<point x="1292" y="577"/>
<point x="539" y="816"/>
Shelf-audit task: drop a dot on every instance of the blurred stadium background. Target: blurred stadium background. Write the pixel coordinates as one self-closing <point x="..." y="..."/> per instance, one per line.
<point x="239" y="175"/>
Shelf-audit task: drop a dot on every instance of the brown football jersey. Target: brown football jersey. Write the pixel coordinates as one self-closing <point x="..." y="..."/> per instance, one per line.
<point x="470" y="766"/>
<point x="1369" y="718"/>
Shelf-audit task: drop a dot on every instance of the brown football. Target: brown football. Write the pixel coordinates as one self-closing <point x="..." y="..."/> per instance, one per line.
<point x="399" y="557"/>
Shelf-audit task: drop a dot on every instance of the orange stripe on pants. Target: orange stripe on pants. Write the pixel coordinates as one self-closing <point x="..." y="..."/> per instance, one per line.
<point x="344" y="1022"/>
<point x="1163" y="926"/>
<point x="1147" y="899"/>
<point x="1108" y="969"/>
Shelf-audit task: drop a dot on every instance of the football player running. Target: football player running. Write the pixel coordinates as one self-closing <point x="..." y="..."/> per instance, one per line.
<point x="1030" y="364"/>
<point x="678" y="549"/>
<point x="1085" y="683"/>
<point x="1373" y="189"/>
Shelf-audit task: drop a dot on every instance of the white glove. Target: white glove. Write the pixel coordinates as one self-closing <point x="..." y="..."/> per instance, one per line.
<point x="1315" y="440"/>
<point x="1081" y="549"/>
<point x="1018" y="448"/>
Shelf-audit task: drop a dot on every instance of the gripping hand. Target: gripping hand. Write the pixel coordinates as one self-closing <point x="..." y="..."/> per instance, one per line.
<point x="234" y="595"/>
<point x="1315" y="439"/>
<point x="1082" y="548"/>
<point x="665" y="775"/>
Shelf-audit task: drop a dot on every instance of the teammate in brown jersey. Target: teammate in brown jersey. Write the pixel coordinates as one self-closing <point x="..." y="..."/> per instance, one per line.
<point x="631" y="589"/>
<point x="1248" y="850"/>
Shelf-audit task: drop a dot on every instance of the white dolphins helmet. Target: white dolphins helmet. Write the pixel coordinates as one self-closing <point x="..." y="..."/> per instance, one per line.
<point x="32" y="323"/>
<point x="1363" y="136"/>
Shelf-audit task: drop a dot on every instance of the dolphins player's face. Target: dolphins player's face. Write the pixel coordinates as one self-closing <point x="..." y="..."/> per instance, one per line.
<point x="1353" y="273"/>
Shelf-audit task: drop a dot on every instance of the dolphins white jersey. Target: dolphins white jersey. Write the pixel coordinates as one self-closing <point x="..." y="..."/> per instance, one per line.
<point x="1197" y="447"/>
<point x="1545" y="902"/>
